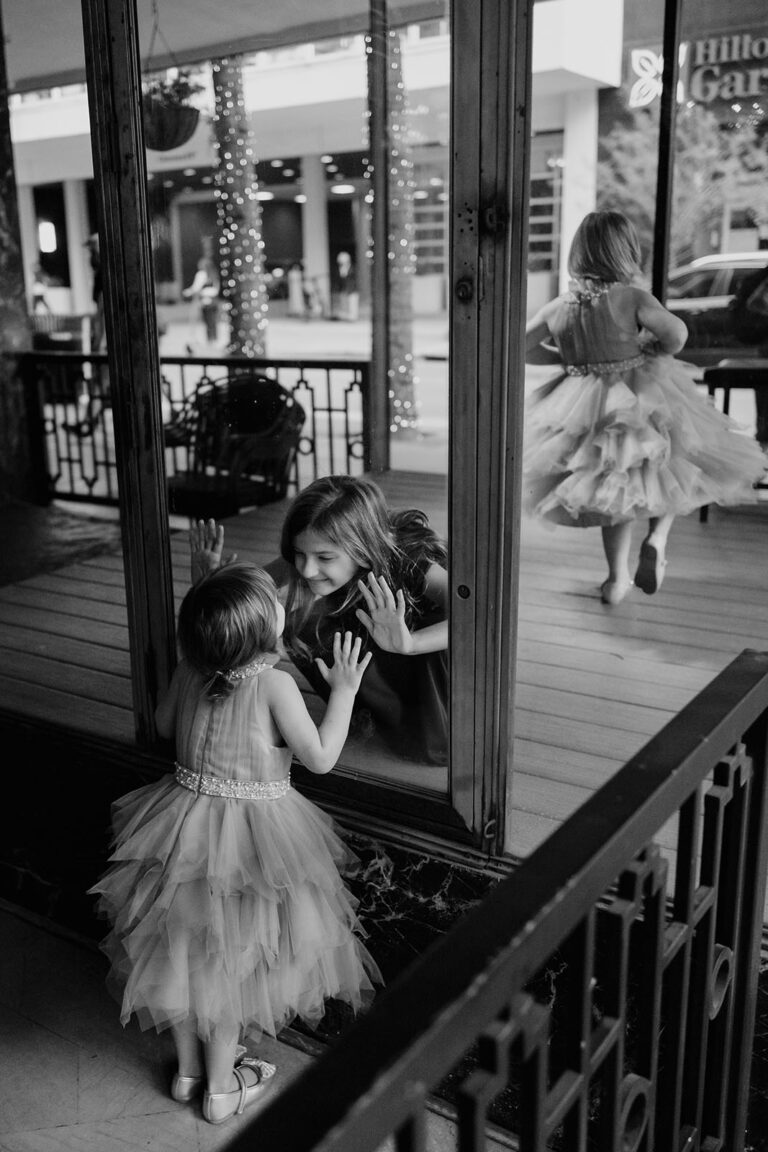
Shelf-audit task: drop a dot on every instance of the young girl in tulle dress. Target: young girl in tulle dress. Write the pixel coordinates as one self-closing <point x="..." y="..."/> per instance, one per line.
<point x="623" y="433"/>
<point x="349" y="563"/>
<point x="229" y="915"/>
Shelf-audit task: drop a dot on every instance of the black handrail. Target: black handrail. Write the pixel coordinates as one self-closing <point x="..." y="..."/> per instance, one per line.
<point x="473" y="984"/>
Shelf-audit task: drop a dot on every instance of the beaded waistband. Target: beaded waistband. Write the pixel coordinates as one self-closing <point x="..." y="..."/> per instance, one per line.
<point x="203" y="783"/>
<point x="602" y="367"/>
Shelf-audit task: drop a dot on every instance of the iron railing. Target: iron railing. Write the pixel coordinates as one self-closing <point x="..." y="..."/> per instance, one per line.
<point x="69" y="413"/>
<point x="600" y="997"/>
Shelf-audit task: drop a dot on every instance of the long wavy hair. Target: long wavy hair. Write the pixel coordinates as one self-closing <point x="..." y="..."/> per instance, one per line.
<point x="352" y="514"/>
<point x="226" y="621"/>
<point x="606" y="248"/>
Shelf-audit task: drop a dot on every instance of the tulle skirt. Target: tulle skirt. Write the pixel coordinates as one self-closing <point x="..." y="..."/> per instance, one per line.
<point x="230" y="912"/>
<point x="602" y="450"/>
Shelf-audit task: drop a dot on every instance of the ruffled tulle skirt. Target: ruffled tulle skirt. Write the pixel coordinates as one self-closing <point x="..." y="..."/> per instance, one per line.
<point x="601" y="450"/>
<point x="229" y="912"/>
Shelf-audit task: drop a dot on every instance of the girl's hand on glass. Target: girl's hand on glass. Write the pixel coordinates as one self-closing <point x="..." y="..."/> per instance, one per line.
<point x="347" y="669"/>
<point x="206" y="544"/>
<point x="385" y="618"/>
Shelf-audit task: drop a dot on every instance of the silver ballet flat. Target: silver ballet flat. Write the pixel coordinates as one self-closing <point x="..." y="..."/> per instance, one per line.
<point x="221" y="1106"/>
<point x="185" y="1088"/>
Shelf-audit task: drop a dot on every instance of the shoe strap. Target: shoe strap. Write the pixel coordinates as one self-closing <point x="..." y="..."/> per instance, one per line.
<point x="243" y="1090"/>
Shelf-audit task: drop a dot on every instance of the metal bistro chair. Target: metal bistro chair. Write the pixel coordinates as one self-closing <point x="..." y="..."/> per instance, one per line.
<point x="242" y="436"/>
<point x="733" y="373"/>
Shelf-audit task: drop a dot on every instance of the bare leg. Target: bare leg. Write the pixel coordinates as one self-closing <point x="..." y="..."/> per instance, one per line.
<point x="220" y="1062"/>
<point x="617" y="541"/>
<point x="188" y="1048"/>
<point x="650" y="569"/>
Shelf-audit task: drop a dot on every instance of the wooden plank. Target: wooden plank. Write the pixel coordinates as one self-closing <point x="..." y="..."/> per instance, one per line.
<point x="85" y="683"/>
<point x="573" y="705"/>
<point x="60" y="707"/>
<point x="642" y="691"/>
<point x="63" y="604"/>
<point x="56" y="624"/>
<point x="65" y="649"/>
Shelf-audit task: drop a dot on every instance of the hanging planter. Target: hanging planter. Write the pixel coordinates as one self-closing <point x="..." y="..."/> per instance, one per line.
<point x="169" y="121"/>
<point x="167" y="126"/>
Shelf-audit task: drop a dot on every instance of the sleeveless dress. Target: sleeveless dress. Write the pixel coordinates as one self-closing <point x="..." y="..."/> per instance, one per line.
<point x="224" y="890"/>
<point x="406" y="697"/>
<point x="623" y="432"/>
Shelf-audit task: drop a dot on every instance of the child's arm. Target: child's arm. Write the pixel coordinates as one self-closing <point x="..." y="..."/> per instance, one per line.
<point x="165" y="713"/>
<point x="319" y="748"/>
<point x="385" y="618"/>
<point x="536" y="333"/>
<point x="669" y="330"/>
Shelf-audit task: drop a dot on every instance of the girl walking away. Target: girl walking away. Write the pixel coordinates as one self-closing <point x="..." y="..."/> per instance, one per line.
<point x="229" y="915"/>
<point x="623" y="433"/>
<point x="349" y="564"/>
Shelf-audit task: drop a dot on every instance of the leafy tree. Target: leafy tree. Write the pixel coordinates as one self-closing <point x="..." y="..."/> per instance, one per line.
<point x="715" y="163"/>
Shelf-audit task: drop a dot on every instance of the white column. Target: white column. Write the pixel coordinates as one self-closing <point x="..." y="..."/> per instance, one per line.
<point x="76" y="214"/>
<point x="314" y="222"/>
<point x="28" y="230"/>
<point x="580" y="168"/>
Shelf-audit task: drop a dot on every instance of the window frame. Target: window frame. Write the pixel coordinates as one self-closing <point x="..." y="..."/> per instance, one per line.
<point x="491" y="52"/>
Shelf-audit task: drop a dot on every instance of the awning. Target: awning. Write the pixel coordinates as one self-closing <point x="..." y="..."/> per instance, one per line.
<point x="44" y="38"/>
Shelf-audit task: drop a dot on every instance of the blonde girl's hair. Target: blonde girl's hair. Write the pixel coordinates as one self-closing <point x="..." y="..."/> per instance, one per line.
<point x="606" y="248"/>
<point x="226" y="621"/>
<point x="352" y="514"/>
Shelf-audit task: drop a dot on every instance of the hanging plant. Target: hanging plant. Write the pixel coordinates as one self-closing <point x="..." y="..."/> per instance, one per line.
<point x="169" y="120"/>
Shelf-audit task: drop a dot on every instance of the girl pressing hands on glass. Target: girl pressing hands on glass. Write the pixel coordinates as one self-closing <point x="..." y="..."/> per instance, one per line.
<point x="349" y="564"/>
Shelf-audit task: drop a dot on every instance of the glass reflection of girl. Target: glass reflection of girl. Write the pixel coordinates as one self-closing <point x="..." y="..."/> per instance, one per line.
<point x="349" y="563"/>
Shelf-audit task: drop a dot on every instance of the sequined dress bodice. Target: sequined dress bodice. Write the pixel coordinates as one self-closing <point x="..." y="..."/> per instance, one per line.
<point x="585" y="330"/>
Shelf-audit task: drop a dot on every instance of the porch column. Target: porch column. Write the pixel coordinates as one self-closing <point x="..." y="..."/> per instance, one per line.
<point x="579" y="171"/>
<point x="76" y="214"/>
<point x="28" y="232"/>
<point x="314" y="226"/>
<point x="16" y="479"/>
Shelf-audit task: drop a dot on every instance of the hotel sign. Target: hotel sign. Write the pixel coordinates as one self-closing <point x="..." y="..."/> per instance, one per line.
<point x="721" y="68"/>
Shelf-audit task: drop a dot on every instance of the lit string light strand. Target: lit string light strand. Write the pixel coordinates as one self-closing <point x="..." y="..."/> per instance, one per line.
<point x="241" y="247"/>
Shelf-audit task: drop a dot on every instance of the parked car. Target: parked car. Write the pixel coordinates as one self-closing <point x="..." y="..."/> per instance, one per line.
<point x="701" y="294"/>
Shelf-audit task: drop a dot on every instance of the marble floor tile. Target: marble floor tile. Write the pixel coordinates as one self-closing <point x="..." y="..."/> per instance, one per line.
<point x="38" y="1074"/>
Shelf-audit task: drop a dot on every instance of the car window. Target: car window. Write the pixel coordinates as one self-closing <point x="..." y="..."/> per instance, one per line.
<point x="691" y="284"/>
<point x="737" y="278"/>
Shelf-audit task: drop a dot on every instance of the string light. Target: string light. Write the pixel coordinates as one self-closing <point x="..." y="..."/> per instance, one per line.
<point x="241" y="247"/>
<point x="400" y="255"/>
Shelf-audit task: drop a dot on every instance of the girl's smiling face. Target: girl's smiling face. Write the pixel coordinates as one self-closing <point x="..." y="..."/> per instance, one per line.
<point x="320" y="562"/>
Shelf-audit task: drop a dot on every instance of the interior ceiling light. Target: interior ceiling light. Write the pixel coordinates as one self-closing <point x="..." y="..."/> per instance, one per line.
<point x="300" y="199"/>
<point x="342" y="189"/>
<point x="276" y="163"/>
<point x="326" y="159"/>
<point x="265" y="195"/>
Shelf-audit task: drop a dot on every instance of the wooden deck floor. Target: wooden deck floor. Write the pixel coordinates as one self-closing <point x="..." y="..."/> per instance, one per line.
<point x="593" y="683"/>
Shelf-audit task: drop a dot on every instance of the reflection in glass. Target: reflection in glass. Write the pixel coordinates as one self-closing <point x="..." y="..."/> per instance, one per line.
<point x="595" y="681"/>
<point x="263" y="232"/>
